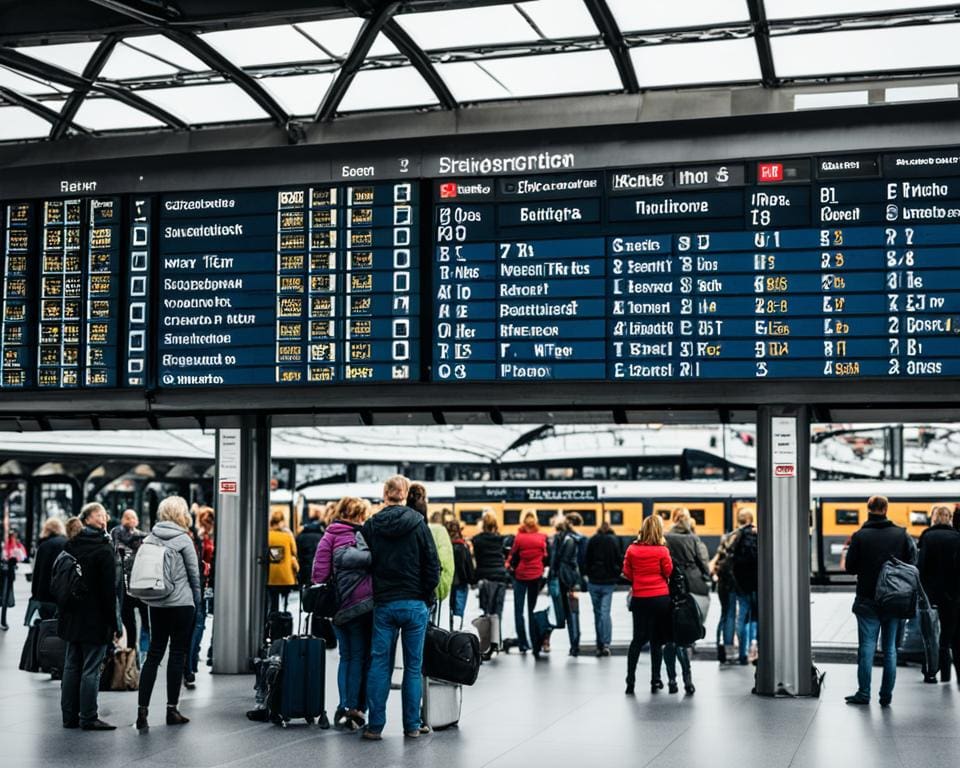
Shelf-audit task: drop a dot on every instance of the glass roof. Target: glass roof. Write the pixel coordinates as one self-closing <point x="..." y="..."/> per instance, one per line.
<point x="475" y="51"/>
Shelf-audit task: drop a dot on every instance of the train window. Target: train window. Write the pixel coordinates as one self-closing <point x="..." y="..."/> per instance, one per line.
<point x="511" y="517"/>
<point x="619" y="472"/>
<point x="848" y="517"/>
<point x="699" y="516"/>
<point x="470" y="516"/>
<point x="594" y="473"/>
<point x="919" y="517"/>
<point x="559" y="473"/>
<point x="615" y="516"/>
<point x="664" y="513"/>
<point x="545" y="516"/>
<point x="589" y="516"/>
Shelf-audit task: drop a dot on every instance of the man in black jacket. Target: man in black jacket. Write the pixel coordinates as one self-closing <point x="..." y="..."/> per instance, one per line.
<point x="604" y="563"/>
<point x="940" y="574"/>
<point x="406" y="571"/>
<point x="53" y="539"/>
<point x="307" y="542"/>
<point x="877" y="540"/>
<point x="90" y="623"/>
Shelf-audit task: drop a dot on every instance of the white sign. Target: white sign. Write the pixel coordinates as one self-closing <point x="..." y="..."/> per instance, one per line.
<point x="228" y="462"/>
<point x="784" y="452"/>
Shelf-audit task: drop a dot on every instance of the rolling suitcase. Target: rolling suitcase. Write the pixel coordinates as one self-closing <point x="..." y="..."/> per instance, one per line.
<point x="29" y="662"/>
<point x="441" y="703"/>
<point x="51" y="649"/>
<point x="488" y="628"/>
<point x="298" y="691"/>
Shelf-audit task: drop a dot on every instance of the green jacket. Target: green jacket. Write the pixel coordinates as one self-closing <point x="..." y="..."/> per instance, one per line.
<point x="445" y="552"/>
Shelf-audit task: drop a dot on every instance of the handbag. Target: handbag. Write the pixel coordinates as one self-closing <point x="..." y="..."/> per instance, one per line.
<point x="929" y="620"/>
<point x="321" y="600"/>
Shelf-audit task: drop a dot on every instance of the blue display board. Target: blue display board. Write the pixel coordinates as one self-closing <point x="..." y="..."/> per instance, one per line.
<point x="839" y="267"/>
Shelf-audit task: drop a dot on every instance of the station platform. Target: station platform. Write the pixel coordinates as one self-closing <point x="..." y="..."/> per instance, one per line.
<point x="557" y="712"/>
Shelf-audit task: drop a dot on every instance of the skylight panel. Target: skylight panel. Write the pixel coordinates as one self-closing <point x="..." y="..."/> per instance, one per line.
<point x="639" y="15"/>
<point x="469" y="81"/>
<point x="387" y="89"/>
<point x="264" y="45"/>
<point x="868" y="50"/>
<point x="26" y="84"/>
<point x="103" y="114"/>
<point x="561" y="18"/>
<point x="464" y="27"/>
<point x="126" y="63"/>
<point x="715" y="61"/>
<point x="828" y="100"/>
<point x="382" y="47"/>
<point x="198" y="104"/>
<point x="336" y="35"/>
<point x="791" y="9"/>
<point x="164" y="48"/>
<point x="298" y="94"/>
<point x="921" y="93"/>
<point x="19" y="123"/>
<point x="69" y="56"/>
<point x="555" y="74"/>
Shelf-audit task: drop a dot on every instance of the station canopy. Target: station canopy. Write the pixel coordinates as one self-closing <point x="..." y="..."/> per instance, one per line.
<point x="92" y="67"/>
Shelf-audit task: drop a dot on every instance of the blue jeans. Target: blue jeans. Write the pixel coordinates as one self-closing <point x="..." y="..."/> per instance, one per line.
<point x="458" y="600"/>
<point x="80" y="685"/>
<point x="200" y="623"/>
<point x="408" y="618"/>
<point x="870" y="627"/>
<point x="746" y="621"/>
<point x="353" y="642"/>
<point x="524" y="591"/>
<point x="601" y="598"/>
<point x="728" y="617"/>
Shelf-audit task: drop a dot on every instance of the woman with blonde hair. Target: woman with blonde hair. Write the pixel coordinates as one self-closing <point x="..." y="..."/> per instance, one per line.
<point x="284" y="565"/>
<point x="526" y="562"/>
<point x="647" y="566"/>
<point x="172" y="617"/>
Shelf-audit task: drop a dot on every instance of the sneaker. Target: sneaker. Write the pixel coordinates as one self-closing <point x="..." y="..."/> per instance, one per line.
<point x="71" y="724"/>
<point x="98" y="725"/>
<point x="357" y="717"/>
<point x="369" y="735"/>
<point x="885" y="701"/>
<point x="189" y="682"/>
<point x="606" y="650"/>
<point x="857" y="698"/>
<point x="345" y="723"/>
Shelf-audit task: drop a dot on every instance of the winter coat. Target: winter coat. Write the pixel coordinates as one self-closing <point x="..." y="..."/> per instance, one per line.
<point x="405" y="565"/>
<point x="185" y="574"/>
<point x="604" y="558"/>
<point x="564" y="560"/>
<point x="283" y="558"/>
<point x="527" y="555"/>
<point x="47" y="552"/>
<point x="939" y="564"/>
<point x="488" y="551"/>
<point x="687" y="553"/>
<point x="871" y="546"/>
<point x="648" y="567"/>
<point x="93" y="619"/>
<point x="307" y="542"/>
<point x="357" y="580"/>
<point x="464" y="573"/>
<point x="441" y="540"/>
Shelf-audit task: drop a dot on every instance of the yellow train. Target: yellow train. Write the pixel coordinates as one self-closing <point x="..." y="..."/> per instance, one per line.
<point x="838" y="508"/>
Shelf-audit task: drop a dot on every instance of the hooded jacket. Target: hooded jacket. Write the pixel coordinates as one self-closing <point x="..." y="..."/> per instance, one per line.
<point x="94" y="618"/>
<point x="877" y="540"/>
<point x="604" y="558"/>
<point x="687" y="553"/>
<point x="489" y="552"/>
<point x="357" y="579"/>
<point x="563" y="560"/>
<point x="47" y="552"/>
<point x="185" y="574"/>
<point x="939" y="564"/>
<point x="405" y="565"/>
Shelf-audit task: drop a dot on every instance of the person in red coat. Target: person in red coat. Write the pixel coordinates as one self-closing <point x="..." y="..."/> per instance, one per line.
<point x="647" y="566"/>
<point x="525" y="562"/>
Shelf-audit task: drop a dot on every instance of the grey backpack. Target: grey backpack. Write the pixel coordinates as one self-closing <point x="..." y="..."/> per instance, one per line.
<point x="898" y="589"/>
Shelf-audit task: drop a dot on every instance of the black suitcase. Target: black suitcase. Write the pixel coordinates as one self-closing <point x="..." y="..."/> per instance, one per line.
<point x="28" y="657"/>
<point x="298" y="690"/>
<point x="453" y="657"/>
<point x="51" y="649"/>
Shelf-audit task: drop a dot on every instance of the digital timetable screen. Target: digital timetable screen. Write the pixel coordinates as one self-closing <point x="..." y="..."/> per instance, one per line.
<point x="839" y="267"/>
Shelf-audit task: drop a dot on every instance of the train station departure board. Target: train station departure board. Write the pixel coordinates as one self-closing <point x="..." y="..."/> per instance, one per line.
<point x="300" y="286"/>
<point x="834" y="267"/>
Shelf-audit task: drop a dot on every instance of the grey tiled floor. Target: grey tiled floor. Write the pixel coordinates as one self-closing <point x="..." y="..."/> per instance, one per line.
<point x="560" y="712"/>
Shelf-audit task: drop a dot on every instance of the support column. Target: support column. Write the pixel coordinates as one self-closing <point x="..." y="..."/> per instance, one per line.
<point x="242" y="493"/>
<point x="783" y="511"/>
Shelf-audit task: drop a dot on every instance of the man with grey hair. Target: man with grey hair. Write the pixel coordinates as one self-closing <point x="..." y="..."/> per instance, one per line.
<point x="940" y="575"/>
<point x="88" y="622"/>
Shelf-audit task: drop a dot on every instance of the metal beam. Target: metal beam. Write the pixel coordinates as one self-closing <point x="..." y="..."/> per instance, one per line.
<point x="16" y="60"/>
<point x="761" y="37"/>
<point x="613" y="38"/>
<point x="90" y="72"/>
<point x="361" y="47"/>
<point x="36" y="107"/>
<point x="421" y="62"/>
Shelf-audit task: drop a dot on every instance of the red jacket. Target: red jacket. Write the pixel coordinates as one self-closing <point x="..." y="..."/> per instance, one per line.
<point x="528" y="552"/>
<point x="648" y="567"/>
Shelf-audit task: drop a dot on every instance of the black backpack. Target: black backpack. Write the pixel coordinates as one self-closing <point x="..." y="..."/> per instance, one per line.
<point x="898" y="589"/>
<point x="67" y="584"/>
<point x="453" y="657"/>
<point x="746" y="560"/>
<point x="687" y="622"/>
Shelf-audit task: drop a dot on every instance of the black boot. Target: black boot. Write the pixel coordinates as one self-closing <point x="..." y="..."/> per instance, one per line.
<point x="945" y="667"/>
<point x="688" y="687"/>
<point x="174" y="717"/>
<point x="142" y="724"/>
<point x="631" y="681"/>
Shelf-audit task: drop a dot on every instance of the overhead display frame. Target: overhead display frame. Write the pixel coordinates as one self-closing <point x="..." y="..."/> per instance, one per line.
<point x="603" y="278"/>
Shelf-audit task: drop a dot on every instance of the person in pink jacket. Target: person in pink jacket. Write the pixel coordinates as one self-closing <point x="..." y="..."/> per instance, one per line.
<point x="343" y="560"/>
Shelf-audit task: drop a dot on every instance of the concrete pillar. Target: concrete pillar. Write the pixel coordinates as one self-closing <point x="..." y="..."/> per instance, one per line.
<point x="783" y="509"/>
<point x="242" y="494"/>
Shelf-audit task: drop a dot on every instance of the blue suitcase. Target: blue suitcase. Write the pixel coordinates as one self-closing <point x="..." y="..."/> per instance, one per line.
<point x="298" y="691"/>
